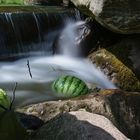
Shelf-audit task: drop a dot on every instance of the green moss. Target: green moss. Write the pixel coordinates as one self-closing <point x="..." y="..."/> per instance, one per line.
<point x="126" y="78"/>
<point x="39" y="9"/>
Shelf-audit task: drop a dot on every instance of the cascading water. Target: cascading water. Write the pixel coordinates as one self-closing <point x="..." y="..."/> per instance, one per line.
<point x="27" y="33"/>
<point x="45" y="69"/>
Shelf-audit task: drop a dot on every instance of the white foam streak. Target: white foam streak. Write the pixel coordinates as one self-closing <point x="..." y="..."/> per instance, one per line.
<point x="44" y="70"/>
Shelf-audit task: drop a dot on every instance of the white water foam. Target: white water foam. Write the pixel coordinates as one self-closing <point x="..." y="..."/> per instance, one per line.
<point x="44" y="71"/>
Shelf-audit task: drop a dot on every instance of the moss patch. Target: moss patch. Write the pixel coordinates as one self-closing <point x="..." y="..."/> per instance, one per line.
<point x="126" y="78"/>
<point x="39" y="9"/>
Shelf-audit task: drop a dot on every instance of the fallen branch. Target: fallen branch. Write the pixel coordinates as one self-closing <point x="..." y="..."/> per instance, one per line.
<point x="29" y="68"/>
<point x="13" y="96"/>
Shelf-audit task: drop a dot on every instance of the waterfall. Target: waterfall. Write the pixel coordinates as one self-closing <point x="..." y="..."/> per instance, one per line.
<point x="44" y="71"/>
<point x="35" y="48"/>
<point x="24" y="34"/>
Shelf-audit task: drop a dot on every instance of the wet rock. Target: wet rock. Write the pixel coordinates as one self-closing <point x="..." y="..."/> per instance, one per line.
<point x="122" y="108"/>
<point x="44" y="2"/>
<point x="119" y="16"/>
<point x="29" y="122"/>
<point x="79" y="125"/>
<point x="128" y="52"/>
<point x="115" y="63"/>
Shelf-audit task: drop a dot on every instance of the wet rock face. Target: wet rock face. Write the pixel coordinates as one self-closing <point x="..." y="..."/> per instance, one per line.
<point x="79" y="125"/>
<point x="117" y="15"/>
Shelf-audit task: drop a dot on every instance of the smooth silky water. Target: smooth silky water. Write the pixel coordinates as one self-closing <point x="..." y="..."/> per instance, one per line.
<point x="45" y="69"/>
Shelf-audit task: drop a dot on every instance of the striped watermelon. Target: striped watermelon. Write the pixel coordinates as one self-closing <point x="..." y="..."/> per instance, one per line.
<point x="69" y="86"/>
<point x="4" y="100"/>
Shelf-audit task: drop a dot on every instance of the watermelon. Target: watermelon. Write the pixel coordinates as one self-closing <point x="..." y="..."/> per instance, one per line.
<point x="69" y="86"/>
<point x="4" y="100"/>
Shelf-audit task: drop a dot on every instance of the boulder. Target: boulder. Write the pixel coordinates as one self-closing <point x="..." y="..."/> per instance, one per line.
<point x="120" y="16"/>
<point x="114" y="61"/>
<point x="122" y="108"/>
<point x="79" y="125"/>
<point x="47" y="2"/>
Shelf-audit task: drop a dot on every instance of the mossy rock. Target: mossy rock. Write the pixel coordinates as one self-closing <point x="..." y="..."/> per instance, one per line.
<point x="125" y="77"/>
<point x="30" y="9"/>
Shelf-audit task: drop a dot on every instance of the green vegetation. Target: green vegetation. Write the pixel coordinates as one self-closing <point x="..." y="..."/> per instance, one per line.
<point x="11" y="2"/>
<point x="4" y="100"/>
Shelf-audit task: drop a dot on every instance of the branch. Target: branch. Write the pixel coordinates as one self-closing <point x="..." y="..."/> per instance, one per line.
<point x="4" y="108"/>
<point x="29" y="68"/>
<point x="13" y="96"/>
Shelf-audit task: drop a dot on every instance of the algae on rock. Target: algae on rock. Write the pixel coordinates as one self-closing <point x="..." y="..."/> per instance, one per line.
<point x="125" y="78"/>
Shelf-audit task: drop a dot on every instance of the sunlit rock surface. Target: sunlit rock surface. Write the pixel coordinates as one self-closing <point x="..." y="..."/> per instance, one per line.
<point x="122" y="108"/>
<point x="78" y="125"/>
<point x="119" y="16"/>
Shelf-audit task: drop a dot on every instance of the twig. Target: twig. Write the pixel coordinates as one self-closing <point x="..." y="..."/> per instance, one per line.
<point x="13" y="96"/>
<point x="29" y="68"/>
<point x="4" y="108"/>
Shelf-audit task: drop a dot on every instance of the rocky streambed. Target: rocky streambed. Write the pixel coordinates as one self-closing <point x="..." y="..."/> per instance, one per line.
<point x="63" y="118"/>
<point x="107" y="114"/>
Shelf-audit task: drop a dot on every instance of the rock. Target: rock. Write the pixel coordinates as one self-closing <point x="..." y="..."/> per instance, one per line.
<point x="119" y="16"/>
<point x="79" y="125"/>
<point x="29" y="122"/>
<point x="44" y="2"/>
<point x="128" y="52"/>
<point x="114" y="61"/>
<point x="122" y="108"/>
